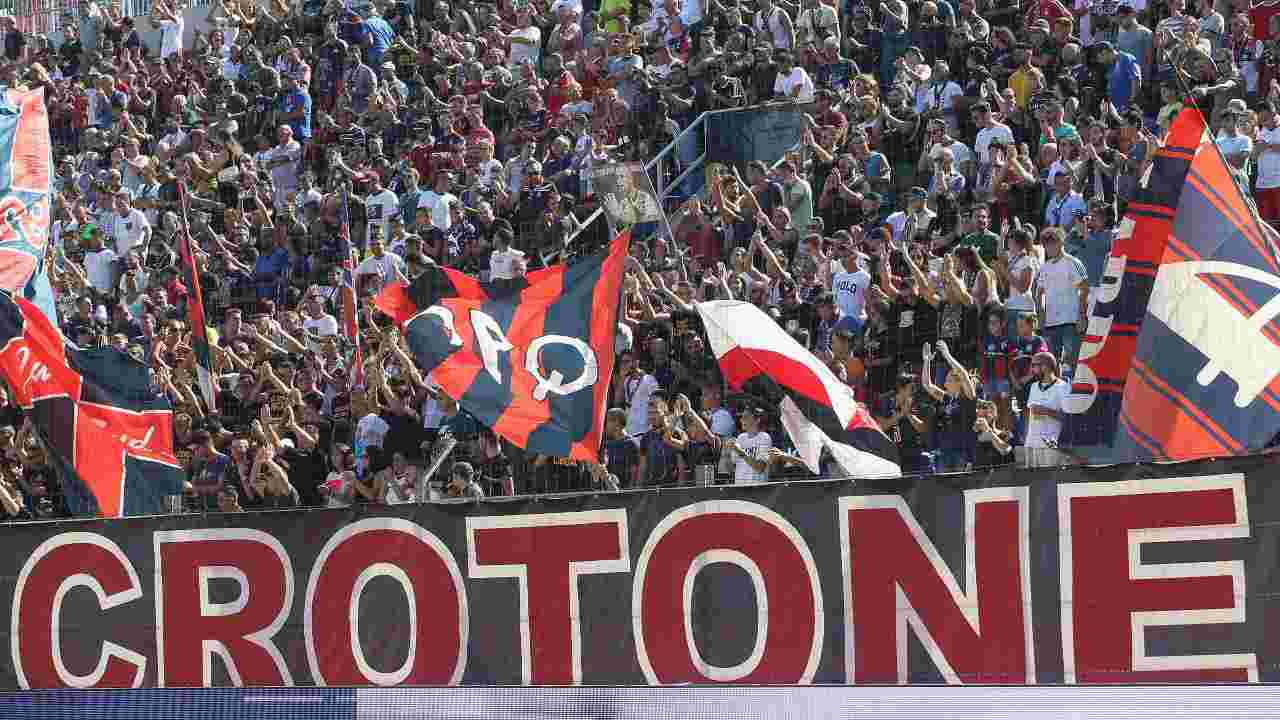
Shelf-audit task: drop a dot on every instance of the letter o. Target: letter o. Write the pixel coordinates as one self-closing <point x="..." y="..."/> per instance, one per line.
<point x="424" y="567"/>
<point x="790" y="625"/>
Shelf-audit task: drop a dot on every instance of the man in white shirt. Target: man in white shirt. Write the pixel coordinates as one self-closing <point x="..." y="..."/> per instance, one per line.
<point x="1267" y="194"/>
<point x="381" y="268"/>
<point x="525" y="40"/>
<point x="129" y="226"/>
<point x="379" y="207"/>
<point x="849" y="283"/>
<point x="1062" y="297"/>
<point x="440" y="217"/>
<point x="283" y="164"/>
<point x="1045" y="412"/>
<point x="1236" y="146"/>
<point x="989" y="130"/>
<point x="938" y="96"/>
<point x="505" y="262"/>
<point x="751" y="448"/>
<point x="918" y="210"/>
<point x="792" y="83"/>
<point x="637" y="387"/>
<point x="317" y="320"/>
<point x="99" y="264"/>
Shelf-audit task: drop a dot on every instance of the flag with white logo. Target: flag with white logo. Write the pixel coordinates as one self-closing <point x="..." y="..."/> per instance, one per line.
<point x="1205" y="376"/>
<point x="531" y="360"/>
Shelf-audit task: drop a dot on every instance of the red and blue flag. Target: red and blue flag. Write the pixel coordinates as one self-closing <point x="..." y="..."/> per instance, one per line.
<point x="1205" y="376"/>
<point x="1120" y="306"/>
<point x="531" y="360"/>
<point x="26" y="173"/>
<point x="108" y="430"/>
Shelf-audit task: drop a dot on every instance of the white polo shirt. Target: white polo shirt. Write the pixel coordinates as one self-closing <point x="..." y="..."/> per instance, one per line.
<point x="757" y="446"/>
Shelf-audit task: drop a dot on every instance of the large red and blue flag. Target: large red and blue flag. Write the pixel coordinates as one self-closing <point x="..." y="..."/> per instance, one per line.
<point x="1120" y="306"/>
<point x="26" y="173"/>
<point x="1205" y="376"/>
<point x="104" y="425"/>
<point x="531" y="360"/>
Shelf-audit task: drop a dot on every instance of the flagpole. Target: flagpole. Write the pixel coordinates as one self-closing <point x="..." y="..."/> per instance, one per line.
<point x="1181" y="79"/>
<point x="195" y="309"/>
<point x="351" y="317"/>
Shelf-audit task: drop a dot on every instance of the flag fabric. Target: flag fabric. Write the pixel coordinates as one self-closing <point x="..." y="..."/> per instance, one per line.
<point x="854" y="462"/>
<point x="26" y="176"/>
<point x="350" y="318"/>
<point x="97" y="413"/>
<point x="532" y="360"/>
<point x="195" y="309"/>
<point x="748" y="343"/>
<point x="1106" y="350"/>
<point x="1205" y="376"/>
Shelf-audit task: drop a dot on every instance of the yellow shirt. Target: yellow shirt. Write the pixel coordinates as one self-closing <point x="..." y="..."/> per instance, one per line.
<point x="1024" y="82"/>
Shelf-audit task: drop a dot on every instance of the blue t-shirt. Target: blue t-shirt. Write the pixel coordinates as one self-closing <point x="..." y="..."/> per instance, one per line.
<point x="290" y="103"/>
<point x="1124" y="73"/>
<point x="381" y="36"/>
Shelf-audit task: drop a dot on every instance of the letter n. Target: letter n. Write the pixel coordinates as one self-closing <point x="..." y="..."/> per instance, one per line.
<point x="895" y="579"/>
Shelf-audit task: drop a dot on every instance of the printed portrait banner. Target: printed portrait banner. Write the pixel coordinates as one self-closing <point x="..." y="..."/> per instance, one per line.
<point x="627" y="193"/>
<point x="1131" y="574"/>
<point x="26" y="175"/>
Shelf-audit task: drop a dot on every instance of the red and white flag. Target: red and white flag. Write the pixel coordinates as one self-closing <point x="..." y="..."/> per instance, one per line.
<point x="747" y="343"/>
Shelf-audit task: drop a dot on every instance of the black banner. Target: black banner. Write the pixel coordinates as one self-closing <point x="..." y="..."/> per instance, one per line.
<point x="1126" y="574"/>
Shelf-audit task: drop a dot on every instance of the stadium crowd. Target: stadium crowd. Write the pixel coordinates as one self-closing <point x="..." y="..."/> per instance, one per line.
<point x="937" y="235"/>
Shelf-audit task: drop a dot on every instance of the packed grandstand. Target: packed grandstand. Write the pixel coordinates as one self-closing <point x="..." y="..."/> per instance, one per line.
<point x="937" y="228"/>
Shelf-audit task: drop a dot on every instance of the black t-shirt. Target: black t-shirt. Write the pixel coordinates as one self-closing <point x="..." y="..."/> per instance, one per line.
<point x="901" y="146"/>
<point x="306" y="472"/>
<point x="404" y="435"/>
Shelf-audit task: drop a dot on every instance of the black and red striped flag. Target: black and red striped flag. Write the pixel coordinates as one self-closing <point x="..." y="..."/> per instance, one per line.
<point x="531" y="361"/>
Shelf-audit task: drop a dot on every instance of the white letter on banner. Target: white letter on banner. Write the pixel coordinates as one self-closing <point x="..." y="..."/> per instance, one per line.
<point x="446" y="319"/>
<point x="554" y="383"/>
<point x="491" y="340"/>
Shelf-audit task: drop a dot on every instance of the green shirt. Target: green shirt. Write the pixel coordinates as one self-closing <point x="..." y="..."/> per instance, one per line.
<point x="608" y="6"/>
<point x="798" y="198"/>
<point x="984" y="242"/>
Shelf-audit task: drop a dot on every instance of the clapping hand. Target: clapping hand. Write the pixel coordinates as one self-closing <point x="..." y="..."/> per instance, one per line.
<point x="944" y="350"/>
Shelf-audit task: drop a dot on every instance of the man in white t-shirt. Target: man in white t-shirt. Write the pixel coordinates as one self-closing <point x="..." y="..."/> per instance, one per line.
<point x="129" y="227"/>
<point x="379" y="207"/>
<point x="792" y="83"/>
<point x="849" y="285"/>
<point x="989" y="130"/>
<point x="100" y="264"/>
<point x="505" y="262"/>
<point x="1062" y="296"/>
<point x="751" y="448"/>
<point x="637" y="388"/>
<point x="1267" y="194"/>
<point x="1045" y="412"/>
<point x="282" y="161"/>
<point x="525" y="40"/>
<point x="317" y="320"/>
<point x="380" y="269"/>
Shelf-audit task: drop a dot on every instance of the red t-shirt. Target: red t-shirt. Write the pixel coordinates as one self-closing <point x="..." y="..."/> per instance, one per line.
<point x="1260" y="17"/>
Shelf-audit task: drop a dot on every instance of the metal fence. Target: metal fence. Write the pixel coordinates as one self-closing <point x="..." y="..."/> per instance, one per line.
<point x="42" y="17"/>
